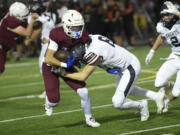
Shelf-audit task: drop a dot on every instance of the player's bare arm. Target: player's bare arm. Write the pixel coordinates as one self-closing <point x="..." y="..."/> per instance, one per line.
<point x="20" y="30"/>
<point x="50" y="59"/>
<point x="157" y="43"/>
<point x="33" y="36"/>
<point x="85" y="73"/>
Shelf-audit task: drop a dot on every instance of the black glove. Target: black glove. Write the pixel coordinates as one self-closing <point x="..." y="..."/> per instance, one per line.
<point x="58" y="70"/>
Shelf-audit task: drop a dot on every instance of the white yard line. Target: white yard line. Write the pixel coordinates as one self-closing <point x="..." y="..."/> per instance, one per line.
<point x="22" y="85"/>
<point x="21" y="64"/>
<point x="65" y="91"/>
<point x="151" y="129"/>
<point x="65" y="112"/>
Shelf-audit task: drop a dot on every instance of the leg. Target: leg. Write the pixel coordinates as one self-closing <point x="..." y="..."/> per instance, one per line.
<point x="166" y="71"/>
<point x="51" y="82"/>
<point x="158" y="97"/>
<point x="85" y="98"/>
<point x="124" y="86"/>
<point x="41" y="59"/>
<point x="176" y="89"/>
<point x="2" y="60"/>
<point x="86" y="105"/>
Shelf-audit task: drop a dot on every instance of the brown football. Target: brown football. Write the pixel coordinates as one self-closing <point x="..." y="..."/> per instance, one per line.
<point x="62" y="55"/>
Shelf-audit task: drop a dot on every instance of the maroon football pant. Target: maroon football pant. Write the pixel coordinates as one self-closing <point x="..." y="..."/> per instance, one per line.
<point x="52" y="85"/>
<point x="2" y="60"/>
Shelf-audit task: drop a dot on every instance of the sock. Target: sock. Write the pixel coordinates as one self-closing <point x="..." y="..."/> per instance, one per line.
<point x="85" y="102"/>
<point x="138" y="91"/>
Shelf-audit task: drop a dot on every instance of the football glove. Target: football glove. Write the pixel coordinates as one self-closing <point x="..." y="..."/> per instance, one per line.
<point x="70" y="61"/>
<point x="149" y="56"/>
<point x="58" y="70"/>
<point x="114" y="71"/>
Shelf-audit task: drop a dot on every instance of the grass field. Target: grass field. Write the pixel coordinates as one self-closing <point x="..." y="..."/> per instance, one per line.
<point x="22" y="113"/>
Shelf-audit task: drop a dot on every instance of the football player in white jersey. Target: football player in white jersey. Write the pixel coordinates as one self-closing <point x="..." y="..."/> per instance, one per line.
<point x="103" y="52"/>
<point x="169" y="31"/>
<point x="44" y="24"/>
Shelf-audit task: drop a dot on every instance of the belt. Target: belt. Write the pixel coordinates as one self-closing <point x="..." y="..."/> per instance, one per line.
<point x="45" y="41"/>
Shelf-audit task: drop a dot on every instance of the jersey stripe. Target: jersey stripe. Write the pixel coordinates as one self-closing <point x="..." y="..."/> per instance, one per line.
<point x="90" y="57"/>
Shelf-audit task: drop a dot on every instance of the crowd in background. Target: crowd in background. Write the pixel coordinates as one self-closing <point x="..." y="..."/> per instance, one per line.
<point x="124" y="21"/>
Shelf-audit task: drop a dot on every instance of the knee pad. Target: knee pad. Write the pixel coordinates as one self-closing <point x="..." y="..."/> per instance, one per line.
<point x="83" y="92"/>
<point x="117" y="101"/>
<point x="159" y="84"/>
<point x="85" y="98"/>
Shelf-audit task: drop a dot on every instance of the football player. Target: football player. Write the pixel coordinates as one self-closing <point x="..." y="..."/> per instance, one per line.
<point x="169" y="31"/>
<point x="12" y="25"/>
<point x="104" y="53"/>
<point x="64" y="38"/>
<point x="43" y="25"/>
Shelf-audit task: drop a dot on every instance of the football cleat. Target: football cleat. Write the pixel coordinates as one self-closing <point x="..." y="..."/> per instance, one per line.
<point x="92" y="123"/>
<point x="48" y="110"/>
<point x="160" y="101"/>
<point x="42" y="95"/>
<point x="144" y="110"/>
<point x="166" y="104"/>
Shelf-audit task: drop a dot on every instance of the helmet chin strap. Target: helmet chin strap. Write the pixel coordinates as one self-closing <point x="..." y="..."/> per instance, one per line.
<point x="76" y="32"/>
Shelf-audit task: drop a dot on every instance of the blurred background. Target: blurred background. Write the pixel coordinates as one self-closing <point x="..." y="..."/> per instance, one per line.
<point x="127" y="22"/>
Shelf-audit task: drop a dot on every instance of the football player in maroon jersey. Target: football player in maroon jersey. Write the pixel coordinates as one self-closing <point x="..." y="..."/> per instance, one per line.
<point x="12" y="26"/>
<point x="64" y="38"/>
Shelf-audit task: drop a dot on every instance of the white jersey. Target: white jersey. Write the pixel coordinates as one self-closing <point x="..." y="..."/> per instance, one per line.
<point x="112" y="54"/>
<point x="172" y="36"/>
<point x="48" y="22"/>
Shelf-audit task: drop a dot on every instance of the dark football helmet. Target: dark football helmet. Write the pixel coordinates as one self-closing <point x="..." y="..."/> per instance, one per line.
<point x="37" y="8"/>
<point x="78" y="51"/>
<point x="167" y="16"/>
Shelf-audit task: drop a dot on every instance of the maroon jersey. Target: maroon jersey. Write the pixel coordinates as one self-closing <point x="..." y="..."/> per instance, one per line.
<point x="64" y="41"/>
<point x="7" y="37"/>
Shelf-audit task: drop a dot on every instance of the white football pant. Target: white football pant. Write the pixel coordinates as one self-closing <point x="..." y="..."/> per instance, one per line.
<point x="42" y="54"/>
<point x="166" y="71"/>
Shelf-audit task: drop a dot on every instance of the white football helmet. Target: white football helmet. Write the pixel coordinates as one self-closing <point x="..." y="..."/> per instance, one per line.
<point x="169" y="14"/>
<point x="73" y="23"/>
<point x="19" y="10"/>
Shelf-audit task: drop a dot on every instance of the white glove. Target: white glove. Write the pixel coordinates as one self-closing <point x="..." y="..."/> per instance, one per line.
<point x="171" y="8"/>
<point x="149" y="56"/>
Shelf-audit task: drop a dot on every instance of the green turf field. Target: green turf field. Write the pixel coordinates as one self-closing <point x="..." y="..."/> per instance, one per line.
<point x="22" y="113"/>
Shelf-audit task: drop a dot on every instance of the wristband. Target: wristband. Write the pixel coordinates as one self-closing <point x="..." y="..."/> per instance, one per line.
<point x="152" y="51"/>
<point x="64" y="65"/>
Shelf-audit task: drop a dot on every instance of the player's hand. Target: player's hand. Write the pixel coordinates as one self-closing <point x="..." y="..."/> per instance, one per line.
<point x="58" y="70"/>
<point x="34" y="16"/>
<point x="171" y="8"/>
<point x="70" y="61"/>
<point x="114" y="71"/>
<point x="149" y="56"/>
<point x="27" y="42"/>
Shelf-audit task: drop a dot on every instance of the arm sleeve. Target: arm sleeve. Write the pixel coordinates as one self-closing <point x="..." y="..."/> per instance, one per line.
<point x="90" y="57"/>
<point x="53" y="45"/>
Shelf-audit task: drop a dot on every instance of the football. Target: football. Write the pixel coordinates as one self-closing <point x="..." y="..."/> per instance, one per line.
<point x="62" y="55"/>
